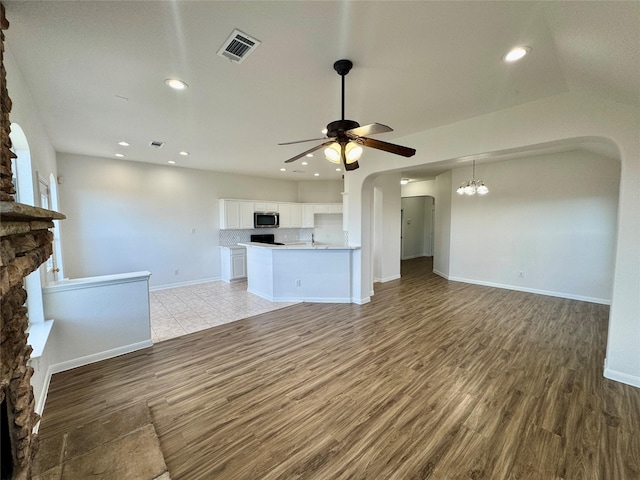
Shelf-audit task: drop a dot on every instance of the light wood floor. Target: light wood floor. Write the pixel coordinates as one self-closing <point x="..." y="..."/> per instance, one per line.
<point x="432" y="379"/>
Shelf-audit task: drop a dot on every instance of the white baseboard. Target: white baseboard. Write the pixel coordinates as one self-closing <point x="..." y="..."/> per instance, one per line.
<point x="185" y="284"/>
<point x="97" y="357"/>
<point x="621" y="377"/>
<point x="361" y="301"/>
<point x="550" y="293"/>
<point x="440" y="274"/>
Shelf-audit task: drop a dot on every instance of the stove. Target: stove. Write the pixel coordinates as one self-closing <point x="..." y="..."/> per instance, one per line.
<point x="265" y="238"/>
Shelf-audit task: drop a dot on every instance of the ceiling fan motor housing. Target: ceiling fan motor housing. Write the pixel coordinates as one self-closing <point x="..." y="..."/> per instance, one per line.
<point x="337" y="128"/>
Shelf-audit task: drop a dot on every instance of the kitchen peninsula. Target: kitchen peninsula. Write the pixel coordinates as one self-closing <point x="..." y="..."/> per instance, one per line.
<point x="305" y="272"/>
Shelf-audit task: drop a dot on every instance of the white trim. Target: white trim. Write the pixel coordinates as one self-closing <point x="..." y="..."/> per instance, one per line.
<point x="570" y="296"/>
<point x="301" y="299"/>
<point x="621" y="377"/>
<point x="38" y="335"/>
<point x="440" y="274"/>
<point x="360" y="301"/>
<point x="185" y="284"/>
<point x="97" y="357"/>
<point x="389" y="279"/>
<point x="410" y="257"/>
<point x="93" y="282"/>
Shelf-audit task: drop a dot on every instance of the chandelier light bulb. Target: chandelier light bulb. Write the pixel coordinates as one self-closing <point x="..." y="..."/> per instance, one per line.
<point x="472" y="187"/>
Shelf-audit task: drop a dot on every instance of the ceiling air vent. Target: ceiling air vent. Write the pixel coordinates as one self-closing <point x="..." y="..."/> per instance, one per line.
<point x="238" y="46"/>
<point x="156" y="143"/>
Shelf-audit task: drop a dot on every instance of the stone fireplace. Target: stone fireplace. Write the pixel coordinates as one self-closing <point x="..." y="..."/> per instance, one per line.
<point x="25" y="243"/>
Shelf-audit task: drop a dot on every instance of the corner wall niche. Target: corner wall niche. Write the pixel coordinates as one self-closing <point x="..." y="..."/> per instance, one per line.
<point x="25" y="243"/>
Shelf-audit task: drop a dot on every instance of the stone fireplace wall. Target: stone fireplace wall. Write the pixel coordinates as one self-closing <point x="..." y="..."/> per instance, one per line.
<point x="25" y="243"/>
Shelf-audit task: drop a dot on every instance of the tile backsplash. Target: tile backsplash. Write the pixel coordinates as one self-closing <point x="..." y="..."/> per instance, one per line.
<point x="327" y="231"/>
<point x="229" y="238"/>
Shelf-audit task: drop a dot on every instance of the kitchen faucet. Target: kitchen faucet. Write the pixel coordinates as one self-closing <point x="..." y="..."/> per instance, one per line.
<point x="312" y="240"/>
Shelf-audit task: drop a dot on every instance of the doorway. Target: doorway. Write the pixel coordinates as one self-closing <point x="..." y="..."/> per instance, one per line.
<point x="417" y="216"/>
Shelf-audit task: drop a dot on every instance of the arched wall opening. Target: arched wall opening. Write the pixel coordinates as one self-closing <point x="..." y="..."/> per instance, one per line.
<point x="559" y="121"/>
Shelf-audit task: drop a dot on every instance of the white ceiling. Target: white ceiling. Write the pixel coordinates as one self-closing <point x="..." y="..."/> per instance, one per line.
<point x="96" y="71"/>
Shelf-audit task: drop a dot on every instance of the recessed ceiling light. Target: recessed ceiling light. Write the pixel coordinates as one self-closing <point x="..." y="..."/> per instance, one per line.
<point x="404" y="181"/>
<point x="283" y="169"/>
<point x="183" y="153"/>
<point x="304" y="163"/>
<point x="338" y="169"/>
<point x="176" y="84"/>
<point x="309" y="154"/>
<point x="516" y="54"/>
<point x="119" y="155"/>
<point x="123" y="143"/>
<point x="316" y="174"/>
<point x="172" y="162"/>
<point x="325" y="131"/>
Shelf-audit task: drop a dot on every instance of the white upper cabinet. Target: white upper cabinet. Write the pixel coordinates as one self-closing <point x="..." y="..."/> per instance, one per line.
<point x="290" y="215"/>
<point x="235" y="214"/>
<point x="266" y="206"/>
<point x="246" y="214"/>
<point x="238" y="214"/>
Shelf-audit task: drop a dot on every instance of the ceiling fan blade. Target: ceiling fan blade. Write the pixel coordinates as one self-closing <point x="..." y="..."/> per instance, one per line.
<point x="370" y="129"/>
<point x="317" y="147"/>
<point x="388" y="147"/>
<point x="302" y="141"/>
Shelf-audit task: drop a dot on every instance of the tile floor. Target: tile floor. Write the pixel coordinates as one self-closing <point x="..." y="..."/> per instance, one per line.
<point x="182" y="310"/>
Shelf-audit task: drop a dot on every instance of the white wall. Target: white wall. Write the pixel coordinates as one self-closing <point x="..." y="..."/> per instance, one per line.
<point x="328" y="228"/>
<point x="551" y="217"/>
<point x="442" y="237"/>
<point x="416" y="228"/>
<point x="25" y="114"/>
<point x="127" y="216"/>
<point x="329" y="191"/>
<point x="419" y="188"/>
<point x="387" y="215"/>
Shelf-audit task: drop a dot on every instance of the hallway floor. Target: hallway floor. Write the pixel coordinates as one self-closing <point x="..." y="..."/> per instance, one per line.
<point x="182" y="310"/>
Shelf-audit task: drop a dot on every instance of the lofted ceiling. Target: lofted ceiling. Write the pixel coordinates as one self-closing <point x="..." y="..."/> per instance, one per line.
<point x="96" y="71"/>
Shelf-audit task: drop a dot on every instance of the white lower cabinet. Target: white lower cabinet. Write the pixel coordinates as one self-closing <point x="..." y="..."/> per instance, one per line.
<point x="233" y="263"/>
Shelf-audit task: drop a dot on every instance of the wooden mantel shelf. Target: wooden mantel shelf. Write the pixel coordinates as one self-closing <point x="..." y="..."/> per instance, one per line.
<point x="14" y="211"/>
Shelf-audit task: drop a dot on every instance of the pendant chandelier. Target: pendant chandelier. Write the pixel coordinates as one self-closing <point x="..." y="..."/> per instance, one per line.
<point x="472" y="186"/>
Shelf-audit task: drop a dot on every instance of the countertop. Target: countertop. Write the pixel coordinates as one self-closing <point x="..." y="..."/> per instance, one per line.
<point x="299" y="246"/>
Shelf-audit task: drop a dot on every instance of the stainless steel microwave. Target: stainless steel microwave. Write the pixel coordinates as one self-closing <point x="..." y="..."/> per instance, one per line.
<point x="266" y="220"/>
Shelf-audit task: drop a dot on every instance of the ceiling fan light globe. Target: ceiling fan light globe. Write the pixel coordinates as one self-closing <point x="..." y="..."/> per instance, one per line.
<point x="470" y="189"/>
<point x="333" y="153"/>
<point x="482" y="188"/>
<point x="460" y="190"/>
<point x="353" y="152"/>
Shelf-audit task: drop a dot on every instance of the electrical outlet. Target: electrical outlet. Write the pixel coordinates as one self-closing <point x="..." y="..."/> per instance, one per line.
<point x="177" y="272"/>
<point x="298" y="283"/>
<point x="193" y="230"/>
<point x="520" y="274"/>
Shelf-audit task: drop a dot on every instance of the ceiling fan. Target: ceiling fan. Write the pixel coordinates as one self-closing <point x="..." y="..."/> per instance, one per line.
<point x="345" y="138"/>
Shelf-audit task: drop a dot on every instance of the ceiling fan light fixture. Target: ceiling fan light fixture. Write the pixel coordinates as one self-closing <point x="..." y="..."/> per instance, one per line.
<point x="353" y="152"/>
<point x="333" y="153"/>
